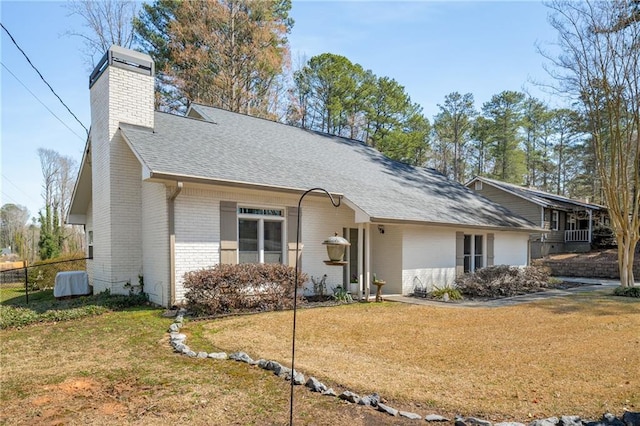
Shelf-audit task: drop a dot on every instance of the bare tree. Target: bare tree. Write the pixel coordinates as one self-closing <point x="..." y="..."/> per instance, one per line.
<point x="13" y="219"/>
<point x="599" y="66"/>
<point x="106" y="22"/>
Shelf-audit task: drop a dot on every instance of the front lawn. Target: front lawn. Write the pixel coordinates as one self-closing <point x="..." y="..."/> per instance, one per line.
<point x="573" y="355"/>
<point x="569" y="356"/>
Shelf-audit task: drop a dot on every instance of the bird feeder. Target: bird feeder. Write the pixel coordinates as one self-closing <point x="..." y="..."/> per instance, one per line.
<point x="336" y="247"/>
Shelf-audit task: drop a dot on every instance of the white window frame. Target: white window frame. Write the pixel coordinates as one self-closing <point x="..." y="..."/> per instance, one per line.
<point x="478" y="185"/>
<point x="260" y="218"/>
<point x="472" y="255"/>
<point x="554" y="224"/>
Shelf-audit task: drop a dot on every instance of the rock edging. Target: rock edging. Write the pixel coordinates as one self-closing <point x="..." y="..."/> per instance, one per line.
<point x="178" y="342"/>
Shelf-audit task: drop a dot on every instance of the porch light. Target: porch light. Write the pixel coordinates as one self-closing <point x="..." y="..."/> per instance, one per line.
<point x="336" y="247"/>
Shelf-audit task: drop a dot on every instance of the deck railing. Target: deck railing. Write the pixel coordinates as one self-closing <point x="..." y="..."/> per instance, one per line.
<point x="576" y="235"/>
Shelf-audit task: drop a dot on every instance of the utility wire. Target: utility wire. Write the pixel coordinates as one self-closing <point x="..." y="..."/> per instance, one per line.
<point x="42" y="78"/>
<point x="18" y="188"/>
<point x="43" y="104"/>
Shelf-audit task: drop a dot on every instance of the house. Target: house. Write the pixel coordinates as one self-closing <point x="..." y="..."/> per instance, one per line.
<point x="568" y="223"/>
<point x="160" y="195"/>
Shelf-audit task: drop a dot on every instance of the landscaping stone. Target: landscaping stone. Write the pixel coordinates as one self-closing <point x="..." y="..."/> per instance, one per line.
<point x="550" y="421"/>
<point x="177" y="337"/>
<point x="349" y="396"/>
<point x="631" y="418"/>
<point x="218" y="355"/>
<point x="174" y="327"/>
<point x="476" y="421"/>
<point x="436" y="418"/>
<point x="298" y="377"/>
<point x="570" y="421"/>
<point x="409" y="415"/>
<point x="315" y="385"/>
<point x="281" y="370"/>
<point x="271" y="365"/>
<point x="179" y="347"/>
<point x="191" y="354"/>
<point x="330" y="392"/>
<point x="608" y="419"/>
<point x="202" y="355"/>
<point x="372" y="400"/>
<point x="186" y="349"/>
<point x="241" y="357"/>
<point x="386" y="409"/>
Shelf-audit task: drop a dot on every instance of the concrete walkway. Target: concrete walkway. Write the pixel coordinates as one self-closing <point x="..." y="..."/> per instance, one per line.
<point x="593" y="285"/>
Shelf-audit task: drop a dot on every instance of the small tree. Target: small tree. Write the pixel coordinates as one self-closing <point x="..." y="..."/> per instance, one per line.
<point x="599" y="66"/>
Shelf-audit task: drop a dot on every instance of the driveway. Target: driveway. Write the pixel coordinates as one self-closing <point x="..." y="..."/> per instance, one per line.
<point x="593" y="284"/>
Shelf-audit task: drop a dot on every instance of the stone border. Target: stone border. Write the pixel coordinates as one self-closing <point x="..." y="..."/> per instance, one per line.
<point x="178" y="342"/>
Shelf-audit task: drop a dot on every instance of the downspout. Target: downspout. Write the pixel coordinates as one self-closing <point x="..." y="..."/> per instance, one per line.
<point x="172" y="244"/>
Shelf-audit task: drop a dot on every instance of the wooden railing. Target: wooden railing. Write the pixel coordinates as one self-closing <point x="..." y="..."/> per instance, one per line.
<point x="576" y="235"/>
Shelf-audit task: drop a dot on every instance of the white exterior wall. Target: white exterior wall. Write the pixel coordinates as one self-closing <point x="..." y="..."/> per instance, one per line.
<point x="321" y="220"/>
<point x="197" y="221"/>
<point x="119" y="95"/>
<point x="89" y="227"/>
<point x="155" y="243"/>
<point x="510" y="248"/>
<point x="386" y="258"/>
<point x="197" y="228"/>
<point x="428" y="257"/>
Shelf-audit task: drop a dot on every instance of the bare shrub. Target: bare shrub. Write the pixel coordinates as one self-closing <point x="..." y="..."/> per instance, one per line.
<point x="243" y="287"/>
<point x="503" y="281"/>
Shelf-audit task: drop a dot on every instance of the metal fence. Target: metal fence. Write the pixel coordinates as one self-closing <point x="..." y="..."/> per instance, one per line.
<point x="36" y="274"/>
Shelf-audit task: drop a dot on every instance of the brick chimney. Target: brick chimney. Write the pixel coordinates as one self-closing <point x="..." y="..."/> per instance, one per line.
<point x="122" y="91"/>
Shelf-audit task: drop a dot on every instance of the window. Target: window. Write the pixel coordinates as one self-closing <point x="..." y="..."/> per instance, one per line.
<point x="554" y="219"/>
<point x="478" y="185"/>
<point x="90" y="243"/>
<point x="260" y="235"/>
<point x="473" y="253"/>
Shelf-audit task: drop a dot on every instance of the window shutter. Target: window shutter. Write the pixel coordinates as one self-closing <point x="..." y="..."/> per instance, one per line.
<point x="490" y="256"/>
<point x="228" y="232"/>
<point x="292" y="229"/>
<point x="459" y="253"/>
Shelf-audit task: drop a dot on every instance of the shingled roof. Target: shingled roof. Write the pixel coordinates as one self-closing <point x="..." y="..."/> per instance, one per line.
<point x="536" y="196"/>
<point x="226" y="147"/>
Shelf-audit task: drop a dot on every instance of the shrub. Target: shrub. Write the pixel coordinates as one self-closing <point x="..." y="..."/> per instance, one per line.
<point x="627" y="291"/>
<point x="243" y="287"/>
<point x="503" y="281"/>
<point x="604" y="237"/>
<point x="43" y="273"/>
<point x="53" y="310"/>
<point x="452" y="293"/>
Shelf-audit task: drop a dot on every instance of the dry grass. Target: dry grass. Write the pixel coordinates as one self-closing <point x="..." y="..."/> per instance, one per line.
<point x="563" y="356"/>
<point x="118" y="368"/>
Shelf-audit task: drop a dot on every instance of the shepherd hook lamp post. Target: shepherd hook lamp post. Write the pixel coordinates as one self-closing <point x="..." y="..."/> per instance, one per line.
<point x="295" y="291"/>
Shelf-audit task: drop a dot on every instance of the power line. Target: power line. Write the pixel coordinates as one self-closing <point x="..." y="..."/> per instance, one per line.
<point x="43" y="104"/>
<point x="18" y="188"/>
<point x="42" y="78"/>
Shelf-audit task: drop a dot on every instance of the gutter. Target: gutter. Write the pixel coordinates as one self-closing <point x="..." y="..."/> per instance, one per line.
<point x="172" y="243"/>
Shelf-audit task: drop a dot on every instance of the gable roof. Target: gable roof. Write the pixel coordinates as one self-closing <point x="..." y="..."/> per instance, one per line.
<point x="541" y="198"/>
<point x="236" y="149"/>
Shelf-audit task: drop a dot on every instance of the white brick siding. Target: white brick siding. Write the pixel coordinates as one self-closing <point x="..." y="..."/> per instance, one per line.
<point x="118" y="96"/>
<point x="197" y="218"/>
<point x="155" y="243"/>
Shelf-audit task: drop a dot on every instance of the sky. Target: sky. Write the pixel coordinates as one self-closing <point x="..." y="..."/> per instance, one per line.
<point x="431" y="48"/>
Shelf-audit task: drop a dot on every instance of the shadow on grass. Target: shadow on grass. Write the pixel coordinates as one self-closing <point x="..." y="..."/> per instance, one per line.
<point x="596" y="303"/>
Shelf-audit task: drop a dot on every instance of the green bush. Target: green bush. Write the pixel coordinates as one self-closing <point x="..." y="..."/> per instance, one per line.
<point x="52" y="311"/>
<point x="42" y="274"/>
<point x="243" y="287"/>
<point x="452" y="293"/>
<point x="503" y="281"/>
<point x="627" y="291"/>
